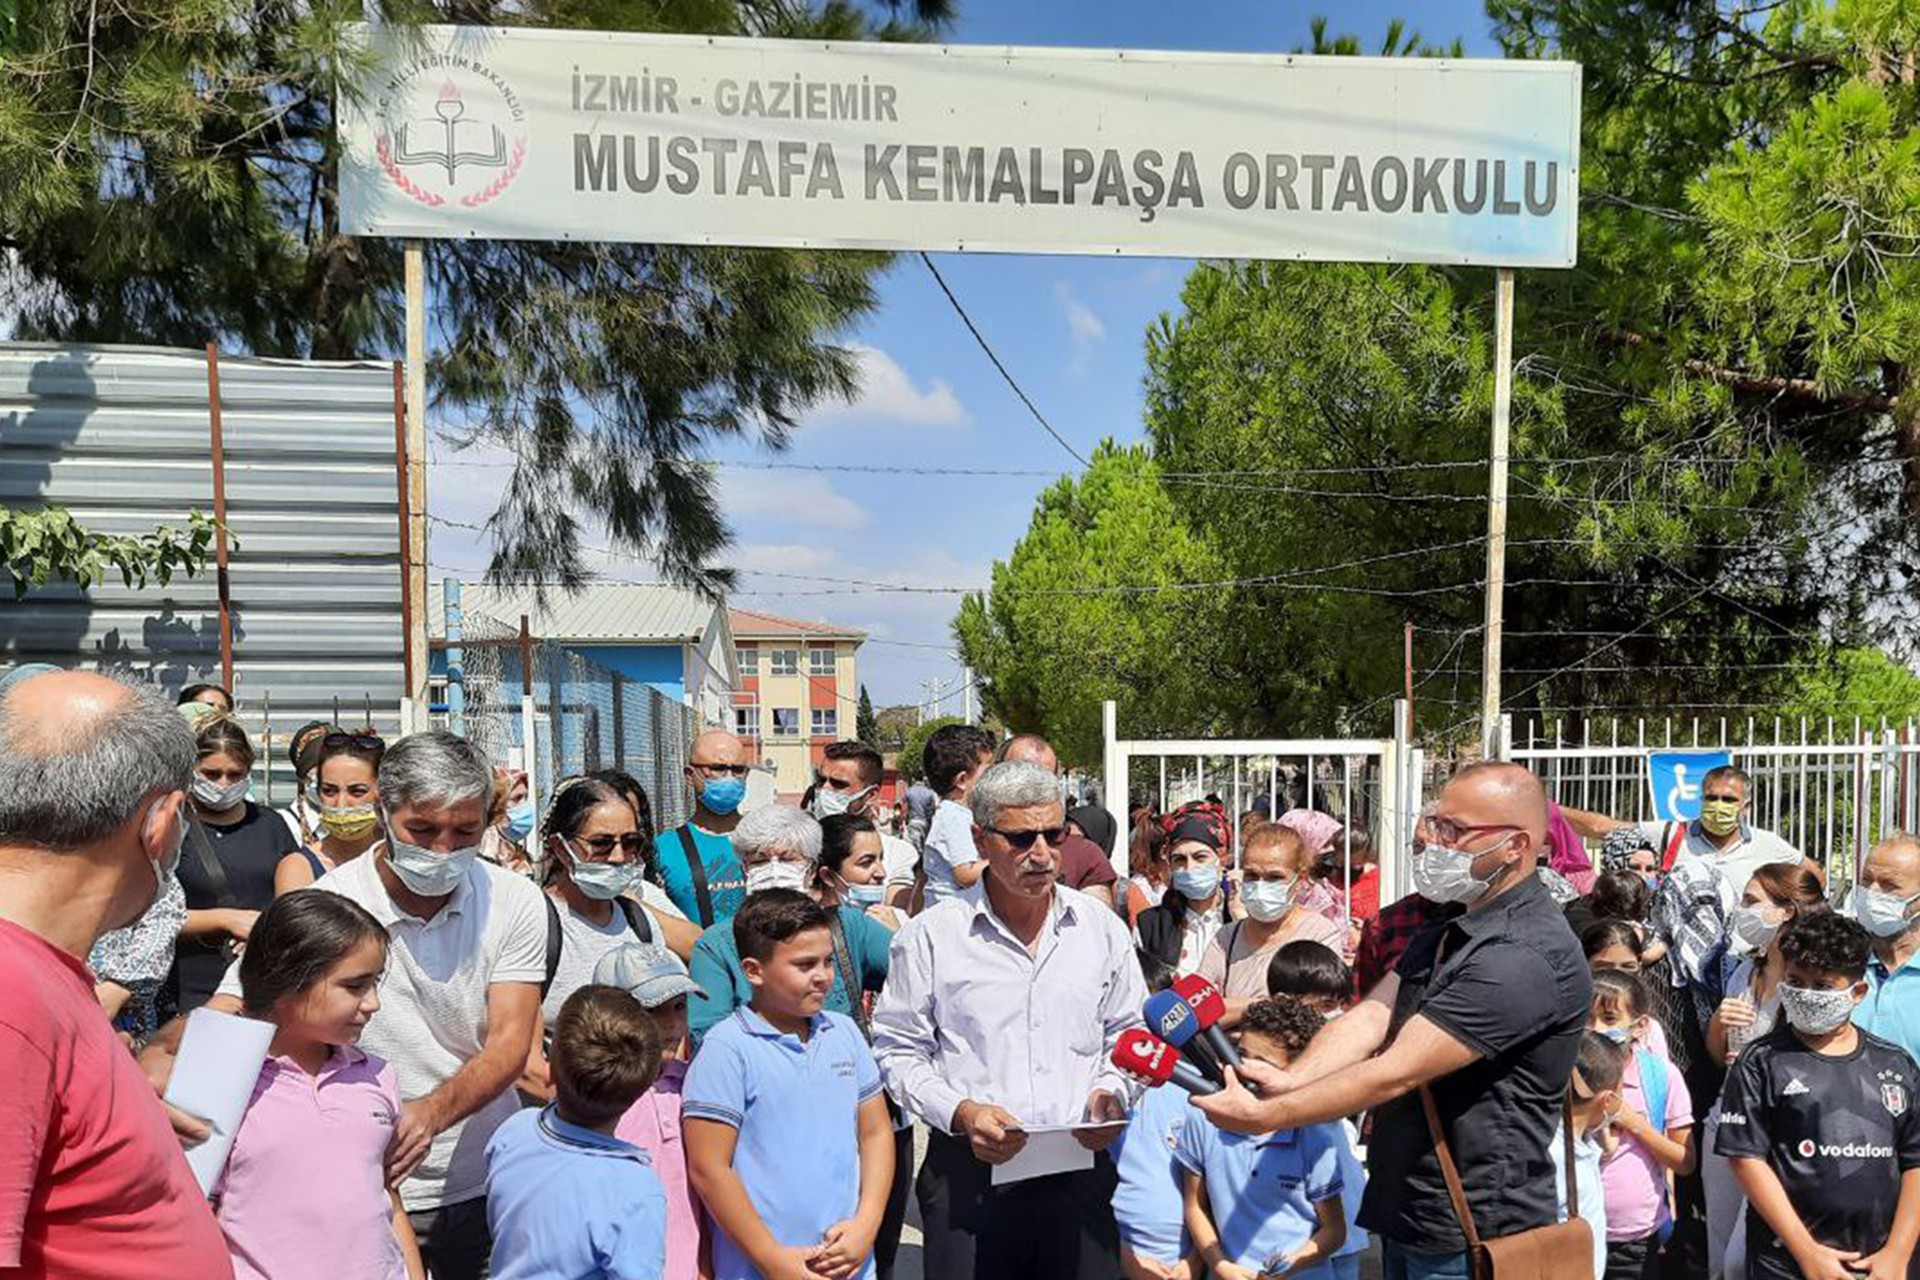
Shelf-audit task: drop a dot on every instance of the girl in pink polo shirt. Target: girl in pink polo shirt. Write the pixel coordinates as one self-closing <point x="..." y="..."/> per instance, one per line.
<point x="304" y="1195"/>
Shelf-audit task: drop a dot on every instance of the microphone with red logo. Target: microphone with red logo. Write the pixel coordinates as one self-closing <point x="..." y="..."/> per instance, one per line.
<point x="1209" y="1006"/>
<point x="1146" y="1058"/>
<point x="1173" y="1020"/>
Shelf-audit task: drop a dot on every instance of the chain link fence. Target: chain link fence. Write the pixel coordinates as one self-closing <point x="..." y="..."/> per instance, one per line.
<point x="506" y="691"/>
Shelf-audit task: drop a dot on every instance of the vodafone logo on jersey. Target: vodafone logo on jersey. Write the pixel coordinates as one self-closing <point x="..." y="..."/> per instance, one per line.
<point x="1844" y="1151"/>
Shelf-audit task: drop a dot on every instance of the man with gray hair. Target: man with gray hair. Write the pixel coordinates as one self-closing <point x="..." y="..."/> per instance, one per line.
<point x="92" y="1180"/>
<point x="1002" y="1008"/>
<point x="460" y="1001"/>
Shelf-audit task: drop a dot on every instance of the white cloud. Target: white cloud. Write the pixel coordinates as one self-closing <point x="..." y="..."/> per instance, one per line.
<point x="809" y="501"/>
<point x="1086" y="327"/>
<point x="786" y="557"/>
<point x="887" y="395"/>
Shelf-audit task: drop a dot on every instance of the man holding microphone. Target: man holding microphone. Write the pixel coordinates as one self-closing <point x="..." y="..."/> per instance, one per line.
<point x="1002" y="1008"/>
<point x="1486" y="1009"/>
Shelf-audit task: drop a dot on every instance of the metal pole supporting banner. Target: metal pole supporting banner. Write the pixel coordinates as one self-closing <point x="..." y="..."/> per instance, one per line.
<point x="1497" y="509"/>
<point x="416" y="462"/>
<point x="222" y="578"/>
<point x="456" y="659"/>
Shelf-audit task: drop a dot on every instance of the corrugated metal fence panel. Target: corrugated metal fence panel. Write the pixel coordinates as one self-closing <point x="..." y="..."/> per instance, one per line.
<point x="121" y="436"/>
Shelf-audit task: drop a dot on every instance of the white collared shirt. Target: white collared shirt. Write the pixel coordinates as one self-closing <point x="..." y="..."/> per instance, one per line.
<point x="433" y="1002"/>
<point x="969" y="1012"/>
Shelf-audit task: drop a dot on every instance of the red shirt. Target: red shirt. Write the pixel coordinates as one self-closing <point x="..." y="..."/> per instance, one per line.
<point x="92" y="1180"/>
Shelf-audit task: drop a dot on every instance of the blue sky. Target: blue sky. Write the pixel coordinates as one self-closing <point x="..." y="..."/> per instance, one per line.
<point x="1070" y="329"/>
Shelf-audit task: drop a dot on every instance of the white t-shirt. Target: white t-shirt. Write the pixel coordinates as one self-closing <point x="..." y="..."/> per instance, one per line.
<point x="582" y="943"/>
<point x="901" y="860"/>
<point x="949" y="845"/>
<point x="433" y="1003"/>
<point x="1755" y="848"/>
<point x="1591" y="1202"/>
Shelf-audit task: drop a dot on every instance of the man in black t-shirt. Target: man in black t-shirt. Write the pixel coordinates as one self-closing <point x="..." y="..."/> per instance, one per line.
<point x="1818" y="1121"/>
<point x="1487" y="1008"/>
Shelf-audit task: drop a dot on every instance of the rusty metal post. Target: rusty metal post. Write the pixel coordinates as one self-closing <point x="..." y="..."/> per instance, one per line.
<point x="221" y="577"/>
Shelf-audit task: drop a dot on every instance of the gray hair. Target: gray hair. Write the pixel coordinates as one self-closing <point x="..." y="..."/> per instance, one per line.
<point x="433" y="770"/>
<point x="778" y="828"/>
<point x="1012" y="784"/>
<point x="69" y="786"/>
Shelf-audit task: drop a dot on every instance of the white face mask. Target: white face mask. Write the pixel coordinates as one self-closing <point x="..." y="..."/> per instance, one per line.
<point x="1753" y="927"/>
<point x="776" y="875"/>
<point x="1267" y="900"/>
<point x="217" y="797"/>
<point x="601" y="881"/>
<point x="828" y="803"/>
<point x="1884" y="915"/>
<point x="1441" y="874"/>
<point x="427" y="873"/>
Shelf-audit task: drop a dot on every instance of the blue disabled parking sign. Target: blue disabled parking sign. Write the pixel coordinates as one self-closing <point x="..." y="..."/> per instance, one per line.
<point x="1674" y="778"/>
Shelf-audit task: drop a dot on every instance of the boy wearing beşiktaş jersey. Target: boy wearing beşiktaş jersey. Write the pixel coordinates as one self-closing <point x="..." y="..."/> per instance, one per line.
<point x="1818" y="1122"/>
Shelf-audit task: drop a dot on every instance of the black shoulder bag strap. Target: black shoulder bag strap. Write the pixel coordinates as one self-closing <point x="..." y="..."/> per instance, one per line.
<point x="636" y="919"/>
<point x="698" y="870"/>
<point x="209" y="861"/>
<point x="553" y="944"/>
<point x="849" y="976"/>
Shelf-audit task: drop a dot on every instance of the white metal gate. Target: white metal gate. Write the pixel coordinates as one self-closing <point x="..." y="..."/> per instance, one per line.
<point x="1368" y="783"/>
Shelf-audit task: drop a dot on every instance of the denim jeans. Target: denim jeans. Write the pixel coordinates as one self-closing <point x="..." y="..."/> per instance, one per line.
<point x="1411" y="1264"/>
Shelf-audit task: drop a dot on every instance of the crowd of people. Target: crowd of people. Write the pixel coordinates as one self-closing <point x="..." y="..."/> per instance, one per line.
<point x="565" y="1044"/>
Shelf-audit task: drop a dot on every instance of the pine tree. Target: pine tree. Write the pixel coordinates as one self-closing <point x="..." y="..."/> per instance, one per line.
<point x="866" y="726"/>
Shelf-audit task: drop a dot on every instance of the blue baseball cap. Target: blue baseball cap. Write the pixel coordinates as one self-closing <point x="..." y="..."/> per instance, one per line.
<point x="648" y="971"/>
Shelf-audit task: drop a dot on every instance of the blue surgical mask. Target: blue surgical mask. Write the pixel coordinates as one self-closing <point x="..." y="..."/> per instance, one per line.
<point x="866" y="895"/>
<point x="723" y="795"/>
<point x="1197" y="883"/>
<point x="601" y="881"/>
<point x="1619" y="1035"/>
<point x="519" y="823"/>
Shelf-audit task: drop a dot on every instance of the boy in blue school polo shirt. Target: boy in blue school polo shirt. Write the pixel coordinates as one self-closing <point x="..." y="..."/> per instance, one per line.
<point x="1270" y="1202"/>
<point x="788" y="1141"/>
<point x="564" y="1196"/>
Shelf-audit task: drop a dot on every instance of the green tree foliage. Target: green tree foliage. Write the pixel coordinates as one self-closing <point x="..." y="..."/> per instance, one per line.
<point x="169" y="173"/>
<point x="43" y="546"/>
<point x="915" y="745"/>
<point x="1863" y="683"/>
<point x="1716" y="447"/>
<point x="866" y="727"/>
<point x="1056" y="641"/>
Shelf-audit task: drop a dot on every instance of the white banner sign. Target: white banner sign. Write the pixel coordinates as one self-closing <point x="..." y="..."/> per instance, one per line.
<point x="548" y="135"/>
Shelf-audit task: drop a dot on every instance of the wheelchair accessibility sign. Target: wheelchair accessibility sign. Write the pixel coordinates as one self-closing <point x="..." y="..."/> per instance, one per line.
<point x="1674" y="778"/>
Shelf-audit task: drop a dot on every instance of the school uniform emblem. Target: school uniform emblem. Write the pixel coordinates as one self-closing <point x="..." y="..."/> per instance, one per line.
<point x="1894" y="1094"/>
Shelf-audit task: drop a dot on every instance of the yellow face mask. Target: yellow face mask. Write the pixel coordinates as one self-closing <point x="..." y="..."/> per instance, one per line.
<point x="1720" y="817"/>
<point x="350" y="823"/>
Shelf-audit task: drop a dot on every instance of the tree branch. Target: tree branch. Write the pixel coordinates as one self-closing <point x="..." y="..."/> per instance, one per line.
<point x="1804" y="390"/>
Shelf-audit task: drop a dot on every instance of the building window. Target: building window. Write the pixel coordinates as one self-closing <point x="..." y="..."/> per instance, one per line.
<point x="786" y="662"/>
<point x="748" y="660"/>
<point x="745" y="722"/>
<point x="826" y="724"/>
<point x="820" y="662"/>
<point x="786" y="722"/>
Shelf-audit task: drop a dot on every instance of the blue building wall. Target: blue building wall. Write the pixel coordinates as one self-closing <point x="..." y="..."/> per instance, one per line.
<point x="660" y="665"/>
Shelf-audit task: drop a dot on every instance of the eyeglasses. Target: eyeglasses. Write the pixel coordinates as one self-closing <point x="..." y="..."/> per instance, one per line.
<point x="364" y="741"/>
<point x="633" y="845"/>
<point x="736" y="770"/>
<point x="1021" y="841"/>
<point x="1447" y="831"/>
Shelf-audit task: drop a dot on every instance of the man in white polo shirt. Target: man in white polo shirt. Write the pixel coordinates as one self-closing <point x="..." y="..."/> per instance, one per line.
<point x="461" y="996"/>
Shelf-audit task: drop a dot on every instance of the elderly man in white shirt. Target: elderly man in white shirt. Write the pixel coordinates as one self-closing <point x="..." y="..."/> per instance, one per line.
<point x="1001" y="1008"/>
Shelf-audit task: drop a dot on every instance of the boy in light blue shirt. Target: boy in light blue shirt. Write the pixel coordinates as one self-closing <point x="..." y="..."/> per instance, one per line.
<point x="950" y="862"/>
<point x="1264" y="1204"/>
<point x="788" y="1140"/>
<point x="1148" y="1206"/>
<point x="564" y="1196"/>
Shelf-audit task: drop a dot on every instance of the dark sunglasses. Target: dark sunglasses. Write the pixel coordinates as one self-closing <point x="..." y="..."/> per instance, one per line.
<point x="601" y="846"/>
<point x="1021" y="841"/>
<point x="364" y="741"/>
